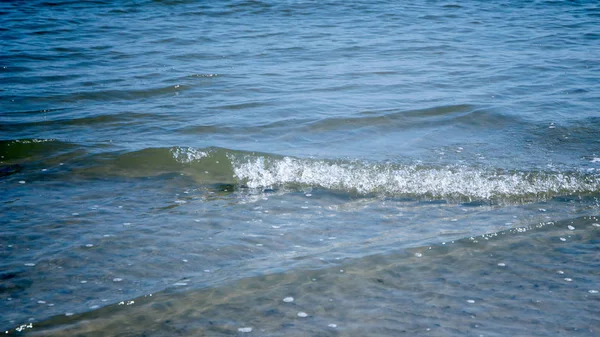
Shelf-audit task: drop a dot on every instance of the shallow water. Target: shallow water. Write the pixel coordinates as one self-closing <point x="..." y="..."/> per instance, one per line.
<point x="180" y="168"/>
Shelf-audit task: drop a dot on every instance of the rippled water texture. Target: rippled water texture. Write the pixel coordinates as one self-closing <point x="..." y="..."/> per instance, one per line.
<point x="299" y="168"/>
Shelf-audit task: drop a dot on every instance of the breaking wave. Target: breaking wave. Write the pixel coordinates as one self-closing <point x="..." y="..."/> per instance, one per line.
<point x="256" y="172"/>
<point x="447" y="182"/>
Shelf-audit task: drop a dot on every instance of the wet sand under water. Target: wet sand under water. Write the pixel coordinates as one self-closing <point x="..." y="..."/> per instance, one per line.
<point x="540" y="280"/>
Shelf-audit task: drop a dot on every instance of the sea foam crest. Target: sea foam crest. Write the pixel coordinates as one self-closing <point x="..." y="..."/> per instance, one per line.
<point x="441" y="182"/>
<point x="186" y="155"/>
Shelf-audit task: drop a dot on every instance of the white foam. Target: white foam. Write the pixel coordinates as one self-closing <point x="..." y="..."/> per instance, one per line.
<point x="288" y="299"/>
<point x="450" y="181"/>
<point x="302" y="314"/>
<point x="246" y="329"/>
<point x="187" y="155"/>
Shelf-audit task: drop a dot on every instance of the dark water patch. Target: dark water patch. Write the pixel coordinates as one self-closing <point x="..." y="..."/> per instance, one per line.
<point x="13" y="69"/>
<point x="119" y="119"/>
<point x="31" y="149"/>
<point x="579" y="138"/>
<point x="6" y="170"/>
<point x="135" y="94"/>
<point x="32" y="80"/>
<point x="452" y="6"/>
<point x="241" y="106"/>
<point x="423" y="118"/>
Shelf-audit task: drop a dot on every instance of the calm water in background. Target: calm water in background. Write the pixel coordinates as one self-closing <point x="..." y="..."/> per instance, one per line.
<point x="429" y="168"/>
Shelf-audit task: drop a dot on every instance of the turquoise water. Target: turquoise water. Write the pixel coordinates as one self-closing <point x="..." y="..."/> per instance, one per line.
<point x="182" y="167"/>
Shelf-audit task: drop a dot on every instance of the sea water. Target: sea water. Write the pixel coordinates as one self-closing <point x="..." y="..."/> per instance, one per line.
<point x="300" y="168"/>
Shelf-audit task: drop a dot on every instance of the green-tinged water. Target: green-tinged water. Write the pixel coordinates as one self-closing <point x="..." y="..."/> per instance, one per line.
<point x="299" y="168"/>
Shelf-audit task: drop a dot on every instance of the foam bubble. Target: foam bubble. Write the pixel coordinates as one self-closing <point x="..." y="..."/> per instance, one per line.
<point x="288" y="299"/>
<point x="246" y="329"/>
<point x="302" y="314"/>
<point x="332" y="325"/>
<point x="186" y="155"/>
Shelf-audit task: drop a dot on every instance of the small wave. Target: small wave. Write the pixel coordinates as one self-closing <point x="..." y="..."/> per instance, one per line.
<point x="448" y="182"/>
<point x="468" y="115"/>
<point x="255" y="172"/>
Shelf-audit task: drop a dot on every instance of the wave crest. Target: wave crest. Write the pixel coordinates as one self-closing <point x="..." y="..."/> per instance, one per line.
<point x="450" y="182"/>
